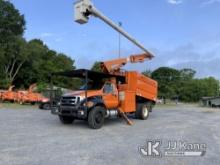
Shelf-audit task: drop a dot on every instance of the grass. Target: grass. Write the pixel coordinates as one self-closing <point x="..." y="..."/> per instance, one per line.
<point x="173" y="104"/>
<point x="16" y="106"/>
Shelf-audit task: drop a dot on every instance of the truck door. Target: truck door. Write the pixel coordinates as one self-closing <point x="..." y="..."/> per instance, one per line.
<point x="110" y="96"/>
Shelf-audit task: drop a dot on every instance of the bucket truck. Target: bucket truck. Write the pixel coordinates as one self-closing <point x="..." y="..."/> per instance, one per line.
<point x="107" y="94"/>
<point x="112" y="92"/>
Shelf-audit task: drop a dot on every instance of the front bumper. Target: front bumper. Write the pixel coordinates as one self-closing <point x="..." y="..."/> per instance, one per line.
<point x="79" y="112"/>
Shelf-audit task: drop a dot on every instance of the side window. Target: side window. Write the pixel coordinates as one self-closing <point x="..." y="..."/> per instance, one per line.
<point x="108" y="88"/>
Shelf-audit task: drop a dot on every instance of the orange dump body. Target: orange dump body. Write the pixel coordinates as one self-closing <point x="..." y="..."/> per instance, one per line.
<point x="137" y="85"/>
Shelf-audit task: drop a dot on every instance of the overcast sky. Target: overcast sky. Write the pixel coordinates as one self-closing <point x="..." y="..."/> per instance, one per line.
<point x="180" y="33"/>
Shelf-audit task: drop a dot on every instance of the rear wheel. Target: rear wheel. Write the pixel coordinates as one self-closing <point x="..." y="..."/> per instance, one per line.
<point x="96" y="117"/>
<point x="46" y="106"/>
<point x="142" y="111"/>
<point x="66" y="119"/>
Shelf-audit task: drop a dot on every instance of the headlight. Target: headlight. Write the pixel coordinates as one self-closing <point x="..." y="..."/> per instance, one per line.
<point x="88" y="104"/>
<point x="81" y="98"/>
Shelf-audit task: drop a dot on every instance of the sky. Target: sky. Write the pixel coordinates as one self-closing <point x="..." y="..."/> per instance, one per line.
<point x="180" y="33"/>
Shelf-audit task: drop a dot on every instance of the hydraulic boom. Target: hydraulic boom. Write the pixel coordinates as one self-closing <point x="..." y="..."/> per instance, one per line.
<point x="114" y="66"/>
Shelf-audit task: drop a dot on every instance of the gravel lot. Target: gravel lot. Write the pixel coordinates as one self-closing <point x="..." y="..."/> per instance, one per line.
<point x="32" y="136"/>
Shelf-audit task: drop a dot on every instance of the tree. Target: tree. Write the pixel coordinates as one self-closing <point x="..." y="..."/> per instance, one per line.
<point x="193" y="90"/>
<point x="41" y="64"/>
<point x="182" y="83"/>
<point x="187" y="73"/>
<point x="168" y="80"/>
<point x="23" y="63"/>
<point x="14" y="58"/>
<point x="97" y="67"/>
<point x="12" y="23"/>
<point x="147" y="73"/>
<point x="12" y="45"/>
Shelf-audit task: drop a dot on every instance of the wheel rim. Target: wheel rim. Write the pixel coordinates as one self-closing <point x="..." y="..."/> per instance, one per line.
<point x="98" y="118"/>
<point x="46" y="106"/>
<point x="145" y="111"/>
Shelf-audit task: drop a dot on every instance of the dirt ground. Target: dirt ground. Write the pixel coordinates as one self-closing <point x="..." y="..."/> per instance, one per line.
<point x="32" y="136"/>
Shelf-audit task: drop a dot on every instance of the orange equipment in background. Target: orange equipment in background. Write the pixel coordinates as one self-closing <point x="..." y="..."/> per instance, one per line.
<point x="9" y="95"/>
<point x="1" y="93"/>
<point x="30" y="96"/>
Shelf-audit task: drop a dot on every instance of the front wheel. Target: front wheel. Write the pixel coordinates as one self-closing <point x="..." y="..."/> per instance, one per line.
<point x="96" y="117"/>
<point x="142" y="111"/>
<point x="66" y="119"/>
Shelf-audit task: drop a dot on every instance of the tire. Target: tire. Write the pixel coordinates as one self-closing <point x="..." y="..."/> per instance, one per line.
<point x="150" y="106"/>
<point x="96" y="117"/>
<point x="142" y="111"/>
<point x="66" y="119"/>
<point x="46" y="106"/>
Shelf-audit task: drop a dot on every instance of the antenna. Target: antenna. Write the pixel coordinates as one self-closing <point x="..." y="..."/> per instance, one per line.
<point x="85" y="8"/>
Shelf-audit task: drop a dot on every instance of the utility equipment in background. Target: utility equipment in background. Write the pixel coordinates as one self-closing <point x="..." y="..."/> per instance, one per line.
<point x="9" y="95"/>
<point x="30" y="96"/>
<point x="53" y="97"/>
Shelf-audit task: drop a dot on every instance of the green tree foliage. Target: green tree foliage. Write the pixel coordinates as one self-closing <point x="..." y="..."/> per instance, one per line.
<point x="42" y="63"/>
<point x="168" y="79"/>
<point x="12" y="45"/>
<point x="192" y="91"/>
<point x="187" y="74"/>
<point x="97" y="67"/>
<point x="12" y="23"/>
<point x="147" y="73"/>
<point x="181" y="83"/>
<point x="14" y="58"/>
<point x="23" y="63"/>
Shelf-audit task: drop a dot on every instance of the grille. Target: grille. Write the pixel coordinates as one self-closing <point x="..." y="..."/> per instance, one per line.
<point x="70" y="101"/>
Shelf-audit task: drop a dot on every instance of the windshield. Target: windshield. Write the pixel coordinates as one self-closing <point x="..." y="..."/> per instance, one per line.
<point x="92" y="86"/>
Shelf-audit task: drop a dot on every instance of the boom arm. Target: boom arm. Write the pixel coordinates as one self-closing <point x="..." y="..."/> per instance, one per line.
<point x="85" y="8"/>
<point x="114" y="66"/>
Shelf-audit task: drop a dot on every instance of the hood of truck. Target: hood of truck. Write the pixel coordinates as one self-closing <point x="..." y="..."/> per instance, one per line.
<point x="82" y="93"/>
